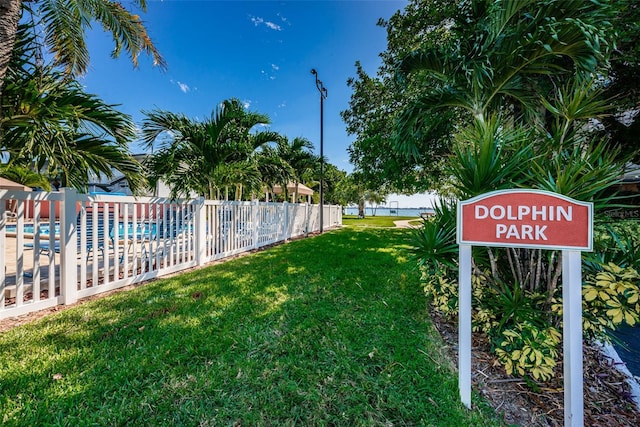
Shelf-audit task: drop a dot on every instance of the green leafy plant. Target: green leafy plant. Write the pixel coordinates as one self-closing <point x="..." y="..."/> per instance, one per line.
<point x="611" y="298"/>
<point x="527" y="348"/>
<point x="443" y="293"/>
<point x="434" y="244"/>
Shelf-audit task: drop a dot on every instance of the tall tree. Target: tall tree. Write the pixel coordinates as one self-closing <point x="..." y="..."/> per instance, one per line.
<point x="50" y="122"/>
<point x="523" y="78"/>
<point x="375" y="198"/>
<point x="274" y="170"/>
<point x="332" y="178"/>
<point x="9" y="19"/>
<point x="299" y="155"/>
<point x="65" y="22"/>
<point x="453" y="42"/>
<point x="377" y="100"/>
<point x="514" y="53"/>
<point x="353" y="189"/>
<point x="623" y="74"/>
<point x="208" y="156"/>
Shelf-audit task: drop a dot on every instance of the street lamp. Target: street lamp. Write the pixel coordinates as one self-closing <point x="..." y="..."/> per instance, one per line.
<point x="323" y="96"/>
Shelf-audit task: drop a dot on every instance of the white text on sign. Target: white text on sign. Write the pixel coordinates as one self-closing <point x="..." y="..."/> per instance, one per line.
<point x="523" y="213"/>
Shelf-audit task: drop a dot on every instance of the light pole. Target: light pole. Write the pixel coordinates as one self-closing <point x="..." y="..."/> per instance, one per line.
<point x="323" y="96"/>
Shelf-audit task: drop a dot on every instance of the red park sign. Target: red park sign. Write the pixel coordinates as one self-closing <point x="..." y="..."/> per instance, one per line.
<point x="527" y="219"/>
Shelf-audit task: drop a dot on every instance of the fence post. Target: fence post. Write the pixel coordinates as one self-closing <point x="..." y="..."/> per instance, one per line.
<point x="200" y="231"/>
<point x="255" y="217"/>
<point x="285" y="222"/>
<point x="306" y="219"/>
<point x="69" y="247"/>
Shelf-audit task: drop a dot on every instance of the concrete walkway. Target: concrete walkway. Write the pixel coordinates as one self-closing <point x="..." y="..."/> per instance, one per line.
<point x="404" y="223"/>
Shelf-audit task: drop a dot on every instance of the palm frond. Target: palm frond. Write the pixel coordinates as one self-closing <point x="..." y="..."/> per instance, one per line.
<point x="65" y="22"/>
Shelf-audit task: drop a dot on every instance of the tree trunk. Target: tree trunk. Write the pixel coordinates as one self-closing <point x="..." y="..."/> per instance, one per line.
<point x="9" y="18"/>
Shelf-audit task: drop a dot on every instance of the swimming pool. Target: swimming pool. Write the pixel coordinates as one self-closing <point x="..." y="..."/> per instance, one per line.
<point x="142" y="230"/>
<point x="27" y="229"/>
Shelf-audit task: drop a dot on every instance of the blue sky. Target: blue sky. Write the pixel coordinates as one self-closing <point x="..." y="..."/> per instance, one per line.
<point x="260" y="52"/>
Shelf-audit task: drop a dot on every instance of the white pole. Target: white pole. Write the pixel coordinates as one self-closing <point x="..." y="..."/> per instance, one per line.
<point x="464" y="325"/>
<point x="200" y="231"/>
<point x="69" y="247"/>
<point x="572" y="338"/>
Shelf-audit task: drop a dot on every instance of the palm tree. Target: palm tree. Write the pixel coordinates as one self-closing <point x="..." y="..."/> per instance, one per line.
<point x="298" y="154"/>
<point x="64" y="24"/>
<point x="375" y="197"/>
<point x="25" y="176"/>
<point x="50" y="122"/>
<point x="273" y="168"/>
<point x="351" y="189"/>
<point x="206" y="157"/>
<point x="9" y="19"/>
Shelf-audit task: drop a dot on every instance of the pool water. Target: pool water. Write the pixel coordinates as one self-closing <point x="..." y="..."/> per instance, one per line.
<point x="43" y="229"/>
<point x="140" y="229"/>
<point x="628" y="347"/>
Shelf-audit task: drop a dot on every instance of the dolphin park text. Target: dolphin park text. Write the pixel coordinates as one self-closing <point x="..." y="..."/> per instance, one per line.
<point x="522" y="213"/>
<point x="532" y="218"/>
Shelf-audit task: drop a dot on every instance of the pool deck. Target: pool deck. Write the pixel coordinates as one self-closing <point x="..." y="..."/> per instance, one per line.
<point x="11" y="264"/>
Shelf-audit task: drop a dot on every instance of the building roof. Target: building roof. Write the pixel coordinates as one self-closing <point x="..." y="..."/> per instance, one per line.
<point x="7" y="184"/>
<point x="303" y="190"/>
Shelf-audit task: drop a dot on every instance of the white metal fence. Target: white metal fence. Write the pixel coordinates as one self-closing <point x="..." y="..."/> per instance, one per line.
<point x="58" y="247"/>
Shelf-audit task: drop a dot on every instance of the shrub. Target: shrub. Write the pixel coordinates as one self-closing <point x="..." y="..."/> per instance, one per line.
<point x="523" y="325"/>
<point x="528" y="349"/>
<point x="443" y="293"/>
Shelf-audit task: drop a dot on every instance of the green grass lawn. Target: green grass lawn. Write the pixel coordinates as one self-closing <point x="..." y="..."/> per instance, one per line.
<point x="375" y="221"/>
<point x="331" y="330"/>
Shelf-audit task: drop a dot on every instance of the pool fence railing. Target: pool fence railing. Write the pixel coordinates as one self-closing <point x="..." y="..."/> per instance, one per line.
<point x="103" y="242"/>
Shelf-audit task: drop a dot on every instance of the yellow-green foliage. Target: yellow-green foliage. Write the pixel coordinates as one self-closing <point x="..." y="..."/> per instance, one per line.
<point x="443" y="293"/>
<point x="527" y="348"/>
<point x="444" y="299"/>
<point x="611" y="298"/>
<point x="483" y="318"/>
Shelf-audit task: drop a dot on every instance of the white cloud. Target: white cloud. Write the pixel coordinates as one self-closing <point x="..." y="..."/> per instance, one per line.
<point x="267" y="75"/>
<point x="260" y="21"/>
<point x="282" y="104"/>
<point x="274" y="67"/>
<point x="273" y="26"/>
<point x="183" y="87"/>
<point x="246" y="104"/>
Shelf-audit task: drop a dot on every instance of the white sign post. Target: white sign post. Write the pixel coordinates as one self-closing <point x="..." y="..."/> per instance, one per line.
<point x="528" y="219"/>
<point x="464" y="325"/>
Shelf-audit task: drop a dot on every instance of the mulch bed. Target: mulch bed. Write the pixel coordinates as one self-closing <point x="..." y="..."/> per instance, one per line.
<point x="607" y="399"/>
